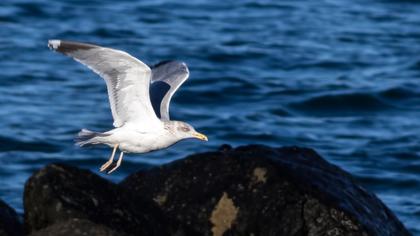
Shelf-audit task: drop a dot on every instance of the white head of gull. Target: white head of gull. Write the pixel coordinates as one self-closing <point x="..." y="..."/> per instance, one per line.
<point x="139" y="97"/>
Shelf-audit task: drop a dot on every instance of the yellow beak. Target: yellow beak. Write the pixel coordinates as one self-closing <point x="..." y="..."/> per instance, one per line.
<point x="200" y="136"/>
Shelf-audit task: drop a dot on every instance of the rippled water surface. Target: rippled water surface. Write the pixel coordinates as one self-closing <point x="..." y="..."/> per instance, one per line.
<point x="338" y="76"/>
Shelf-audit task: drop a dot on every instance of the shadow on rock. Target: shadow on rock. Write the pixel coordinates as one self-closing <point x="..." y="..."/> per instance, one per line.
<point x="9" y="221"/>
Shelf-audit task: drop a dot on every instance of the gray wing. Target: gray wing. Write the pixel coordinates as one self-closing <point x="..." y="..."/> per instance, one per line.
<point x="167" y="77"/>
<point x="127" y="80"/>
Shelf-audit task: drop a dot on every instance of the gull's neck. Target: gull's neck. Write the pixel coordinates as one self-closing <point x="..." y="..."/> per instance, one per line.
<point x="169" y="126"/>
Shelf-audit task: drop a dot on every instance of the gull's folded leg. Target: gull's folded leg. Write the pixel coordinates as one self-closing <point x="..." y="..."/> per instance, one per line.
<point x="118" y="163"/>
<point x="109" y="162"/>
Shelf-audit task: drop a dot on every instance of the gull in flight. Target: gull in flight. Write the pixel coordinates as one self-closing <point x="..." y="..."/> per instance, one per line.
<point x="139" y="97"/>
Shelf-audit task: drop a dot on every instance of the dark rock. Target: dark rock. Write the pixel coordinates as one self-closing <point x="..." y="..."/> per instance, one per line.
<point x="59" y="193"/>
<point x="257" y="190"/>
<point x="77" y="227"/>
<point x="225" y="148"/>
<point x="9" y="221"/>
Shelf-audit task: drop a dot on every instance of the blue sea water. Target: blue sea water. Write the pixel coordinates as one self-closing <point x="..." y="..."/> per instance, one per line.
<point x="341" y="77"/>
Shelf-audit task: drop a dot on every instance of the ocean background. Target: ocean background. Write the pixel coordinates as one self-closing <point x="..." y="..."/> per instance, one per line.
<point x="342" y="77"/>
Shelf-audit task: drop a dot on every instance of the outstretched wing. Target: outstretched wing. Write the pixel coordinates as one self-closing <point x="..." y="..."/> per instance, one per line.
<point x="167" y="76"/>
<point x="127" y="80"/>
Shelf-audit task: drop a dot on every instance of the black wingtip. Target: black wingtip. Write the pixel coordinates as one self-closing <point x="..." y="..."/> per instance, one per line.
<point x="170" y="65"/>
<point x="68" y="46"/>
<point x="162" y="63"/>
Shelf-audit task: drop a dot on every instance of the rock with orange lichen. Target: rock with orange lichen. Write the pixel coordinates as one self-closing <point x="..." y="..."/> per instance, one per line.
<point x="58" y="194"/>
<point x="257" y="190"/>
<point x="249" y="190"/>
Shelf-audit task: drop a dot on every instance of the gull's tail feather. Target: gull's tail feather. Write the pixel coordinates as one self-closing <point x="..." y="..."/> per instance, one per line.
<point x="87" y="137"/>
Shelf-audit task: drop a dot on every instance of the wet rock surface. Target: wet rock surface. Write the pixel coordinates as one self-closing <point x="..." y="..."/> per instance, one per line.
<point x="9" y="221"/>
<point x="257" y="190"/>
<point x="250" y="190"/>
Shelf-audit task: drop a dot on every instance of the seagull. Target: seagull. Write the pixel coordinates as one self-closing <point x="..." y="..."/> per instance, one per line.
<point x="139" y="98"/>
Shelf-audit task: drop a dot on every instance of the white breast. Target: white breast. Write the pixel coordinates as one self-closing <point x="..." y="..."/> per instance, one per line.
<point x="132" y="141"/>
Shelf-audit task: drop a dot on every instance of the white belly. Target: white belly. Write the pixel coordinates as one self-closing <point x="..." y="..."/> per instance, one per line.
<point x="132" y="141"/>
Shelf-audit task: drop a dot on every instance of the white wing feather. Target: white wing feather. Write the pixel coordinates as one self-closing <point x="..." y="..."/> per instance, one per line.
<point x="127" y="80"/>
<point x="167" y="77"/>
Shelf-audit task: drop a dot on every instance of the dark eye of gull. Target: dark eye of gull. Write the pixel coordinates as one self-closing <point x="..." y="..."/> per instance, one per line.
<point x="185" y="129"/>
